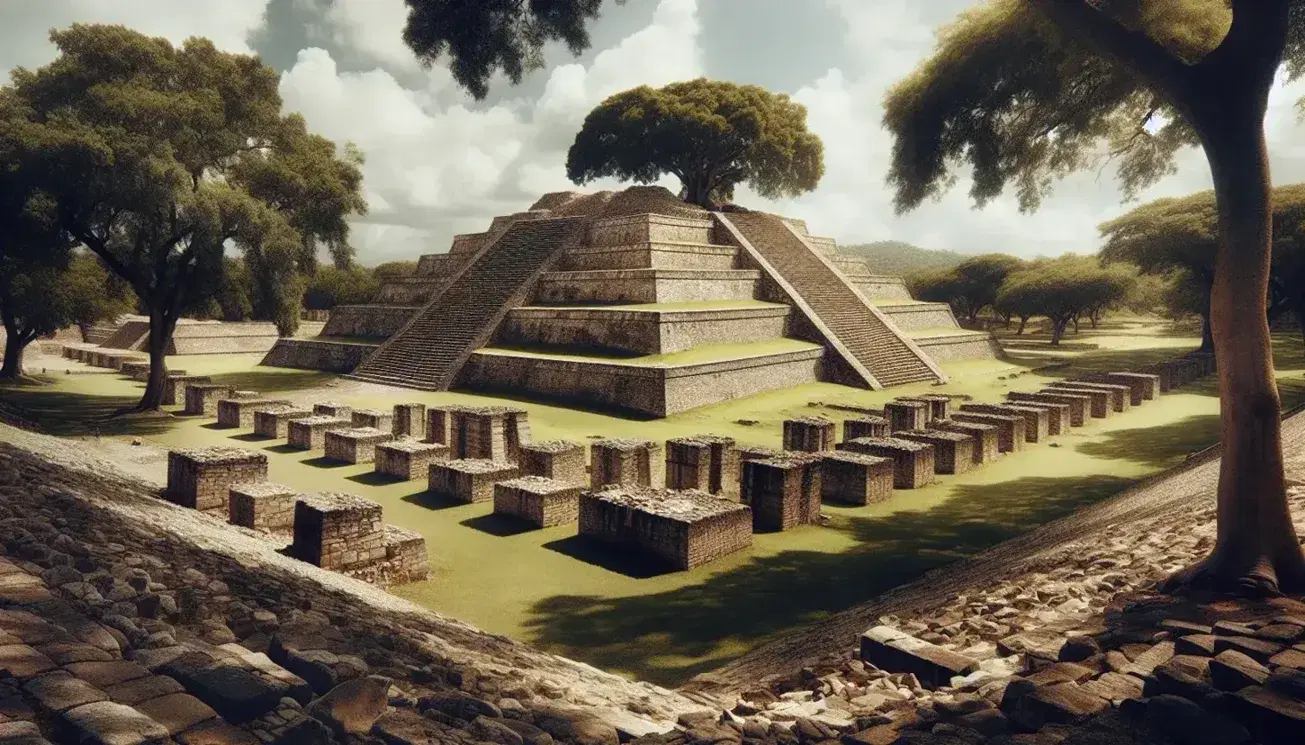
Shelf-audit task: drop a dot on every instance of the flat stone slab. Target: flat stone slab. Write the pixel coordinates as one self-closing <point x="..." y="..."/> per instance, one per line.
<point x="109" y="723"/>
<point x="896" y="651"/>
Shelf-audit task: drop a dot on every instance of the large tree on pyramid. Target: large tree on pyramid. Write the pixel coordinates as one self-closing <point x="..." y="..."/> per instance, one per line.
<point x="711" y="135"/>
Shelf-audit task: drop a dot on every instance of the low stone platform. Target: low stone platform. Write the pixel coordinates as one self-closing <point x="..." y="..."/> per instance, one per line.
<point x="983" y="438"/>
<point x="1102" y="405"/>
<point x="890" y="649"/>
<point x="1037" y="421"/>
<point x="855" y="478"/>
<point x="355" y="445"/>
<point x="1080" y="406"/>
<point x="174" y="387"/>
<point x="309" y="433"/>
<point x="202" y="398"/>
<point x="683" y="529"/>
<point x="783" y="492"/>
<point x="1121" y="396"/>
<point x="333" y="410"/>
<point x="808" y="434"/>
<point x="202" y="478"/>
<point x="439" y="420"/>
<point x="135" y="370"/>
<point x="265" y="507"/>
<point x="907" y="414"/>
<point x="239" y="413"/>
<point x="912" y="461"/>
<point x="469" y="480"/>
<point x="865" y="426"/>
<point x="561" y="460"/>
<point x="707" y="463"/>
<point x="1142" y="387"/>
<point x="273" y="422"/>
<point x="1059" y="416"/>
<point x="406" y="459"/>
<point x="409" y="420"/>
<point x="627" y="462"/>
<point x="541" y="501"/>
<point x="1010" y="428"/>
<point x="953" y="452"/>
<point x="373" y="418"/>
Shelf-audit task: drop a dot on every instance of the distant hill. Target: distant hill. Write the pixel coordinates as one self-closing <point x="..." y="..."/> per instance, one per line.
<point x="898" y="259"/>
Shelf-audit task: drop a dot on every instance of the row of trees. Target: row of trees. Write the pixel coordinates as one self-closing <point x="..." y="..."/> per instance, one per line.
<point x="160" y="160"/>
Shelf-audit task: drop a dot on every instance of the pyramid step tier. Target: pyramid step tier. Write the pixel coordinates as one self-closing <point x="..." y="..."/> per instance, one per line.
<point x="646" y="286"/>
<point x="650" y="255"/>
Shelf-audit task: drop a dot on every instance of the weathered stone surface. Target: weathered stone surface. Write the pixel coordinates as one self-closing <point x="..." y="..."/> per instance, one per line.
<point x="1231" y="670"/>
<point x="143" y="689"/>
<point x="1062" y="703"/>
<point x="216" y="732"/>
<point x="60" y="691"/>
<point x="177" y="712"/>
<point x="1045" y="645"/>
<point x="353" y="706"/>
<point x="576" y="726"/>
<point x="1257" y="649"/>
<point x="107" y="723"/>
<point x="1269" y="715"/>
<point x="235" y="693"/>
<point x="1186" y="722"/>
<point x="22" y="661"/>
<point x="893" y="650"/>
<point x="1114" y="687"/>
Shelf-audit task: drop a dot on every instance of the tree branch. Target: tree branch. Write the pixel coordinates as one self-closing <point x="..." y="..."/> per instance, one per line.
<point x="1079" y="19"/>
<point x="1257" y="36"/>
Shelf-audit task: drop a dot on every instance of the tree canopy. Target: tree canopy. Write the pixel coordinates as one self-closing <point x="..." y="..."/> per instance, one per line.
<point x="970" y="287"/>
<point x="711" y="135"/>
<point x="158" y="158"/>
<point x="1065" y="290"/>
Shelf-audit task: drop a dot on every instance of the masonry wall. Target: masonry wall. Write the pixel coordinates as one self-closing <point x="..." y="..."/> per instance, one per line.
<point x="961" y="347"/>
<point x="314" y="354"/>
<point x="372" y="321"/>
<point x="922" y="316"/>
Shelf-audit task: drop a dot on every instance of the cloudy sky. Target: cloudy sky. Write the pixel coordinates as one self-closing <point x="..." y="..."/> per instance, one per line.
<point x="439" y="163"/>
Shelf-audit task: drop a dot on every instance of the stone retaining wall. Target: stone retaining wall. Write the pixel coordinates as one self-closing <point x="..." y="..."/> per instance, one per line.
<point x="965" y="346"/>
<point x="541" y="501"/>
<point x="918" y="316"/>
<point x="644" y="332"/>
<point x="371" y="321"/>
<point x="646" y="286"/>
<point x="620" y="231"/>
<point x="648" y="255"/>
<point x="318" y="354"/>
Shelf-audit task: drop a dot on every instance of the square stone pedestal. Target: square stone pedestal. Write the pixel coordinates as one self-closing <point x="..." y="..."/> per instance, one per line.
<point x="983" y="438"/>
<point x="410" y="420"/>
<point x="1121" y="396"/>
<point x="265" y="507"/>
<point x="541" y="501"/>
<point x="309" y="433"/>
<point x="202" y="478"/>
<point x="274" y="421"/>
<point x="1037" y="421"/>
<point x="488" y="433"/>
<point x="907" y="414"/>
<point x="407" y="459"/>
<point x="174" y="386"/>
<point x="135" y="370"/>
<point x="1080" y="407"/>
<point x="865" y="426"/>
<point x="333" y="410"/>
<point x="855" y="478"/>
<point x="912" y="461"/>
<point x="626" y="462"/>
<point x="683" y="529"/>
<point x="784" y="491"/>
<point x="757" y="452"/>
<point x="1101" y="406"/>
<point x="953" y="452"/>
<point x="406" y="559"/>
<point x="707" y="463"/>
<point x="1142" y="386"/>
<point x="1010" y="428"/>
<point x="382" y="420"/>
<point x="469" y="480"/>
<point x="439" y="423"/>
<point x="808" y="434"/>
<point x="940" y="405"/>
<point x="202" y="398"/>
<point x="239" y="413"/>
<point x="338" y="531"/>
<point x="560" y="460"/>
<point x="356" y="445"/>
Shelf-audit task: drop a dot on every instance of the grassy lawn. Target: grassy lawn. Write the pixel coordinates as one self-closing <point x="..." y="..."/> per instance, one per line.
<point x="548" y="588"/>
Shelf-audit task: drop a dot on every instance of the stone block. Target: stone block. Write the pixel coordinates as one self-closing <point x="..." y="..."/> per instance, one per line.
<point x="1080" y="406"/>
<point x="58" y="691"/>
<point x="808" y="434"/>
<point x="410" y="420"/>
<point x="239" y="412"/>
<point x="337" y="531"/>
<point x="940" y="405"/>
<point x="756" y="452"/>
<point x="683" y="529"/>
<point x="865" y="426"/>
<point x="784" y="491"/>
<point x="912" y="461"/>
<point x="469" y="480"/>
<point x="855" y="478"/>
<point x="983" y="438"/>
<point x="1101" y="399"/>
<point x="560" y="460"/>
<point x="907" y="414"/>
<point x="707" y="463"/>
<point x="488" y="433"/>
<point x="626" y="462"/>
<point x="406" y="559"/>
<point x="264" y="506"/>
<point x="542" y="501"/>
<point x="439" y="421"/>
<point x="1121" y="396"/>
<point x="273" y="422"/>
<point x="1142" y="386"/>
<point x="953" y="452"/>
<point x="373" y="419"/>
<point x="1010" y="428"/>
<point x="898" y="652"/>
<point x="408" y="459"/>
<point x="309" y="433"/>
<point x="202" y="478"/>
<point x="333" y="410"/>
<point x="174" y="386"/>
<point x="1037" y="422"/>
<point x="356" y="445"/>
<point x="202" y="398"/>
<point x="108" y="723"/>
<point x="1059" y="416"/>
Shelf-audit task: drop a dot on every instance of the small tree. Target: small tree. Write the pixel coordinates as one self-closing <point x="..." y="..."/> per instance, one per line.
<point x="711" y="135"/>
<point x="160" y="158"/>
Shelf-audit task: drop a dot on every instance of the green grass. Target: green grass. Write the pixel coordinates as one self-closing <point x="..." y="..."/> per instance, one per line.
<point x="550" y="589"/>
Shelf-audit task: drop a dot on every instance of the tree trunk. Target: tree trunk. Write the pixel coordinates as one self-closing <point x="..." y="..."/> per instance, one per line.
<point x="1057" y="331"/>
<point x="1257" y="550"/>
<point x="161" y="327"/>
<point x="13" y="364"/>
<point x="1207" y="335"/>
<point x="1024" y="321"/>
<point x="1076" y="324"/>
<point x="1093" y="318"/>
<point x="697" y="190"/>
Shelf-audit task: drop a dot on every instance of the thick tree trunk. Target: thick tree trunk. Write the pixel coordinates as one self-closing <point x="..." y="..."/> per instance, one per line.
<point x="1057" y="331"/>
<point x="1207" y="335"/>
<point x="697" y="190"/>
<point x="1024" y="321"/>
<point x="13" y="364"/>
<point x="1257" y="550"/>
<point x="161" y="327"/>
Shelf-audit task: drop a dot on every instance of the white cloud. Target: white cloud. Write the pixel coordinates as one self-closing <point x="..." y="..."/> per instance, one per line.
<point x="438" y="163"/>
<point x="374" y="28"/>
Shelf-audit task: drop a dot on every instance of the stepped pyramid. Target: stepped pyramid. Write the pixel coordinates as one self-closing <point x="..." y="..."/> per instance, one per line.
<point x="638" y="301"/>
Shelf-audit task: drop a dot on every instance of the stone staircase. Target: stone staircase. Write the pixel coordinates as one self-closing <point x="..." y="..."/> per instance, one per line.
<point x="429" y="351"/>
<point x="869" y="338"/>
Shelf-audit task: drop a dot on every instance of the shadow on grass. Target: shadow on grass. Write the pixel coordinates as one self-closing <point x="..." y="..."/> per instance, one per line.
<point x="284" y="449"/>
<point x="68" y="414"/>
<point x="670" y="636"/>
<point x="613" y="558"/>
<point x="322" y="461"/>
<point x="434" y="500"/>
<point x="1160" y="446"/>
<point x="372" y="478"/>
<point x="499" y="525"/>
<point x="272" y="381"/>
<point x="216" y="425"/>
<point x="251" y="437"/>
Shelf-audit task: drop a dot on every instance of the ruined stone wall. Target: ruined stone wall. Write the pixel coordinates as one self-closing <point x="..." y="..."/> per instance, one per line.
<point x="620" y="231"/>
<point x="681" y="542"/>
<point x="921" y="316"/>
<point x="314" y="354"/>
<point x="370" y="321"/>
<point x="265" y="507"/>
<point x="222" y="338"/>
<point x="202" y="478"/>
<point x="961" y="347"/>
